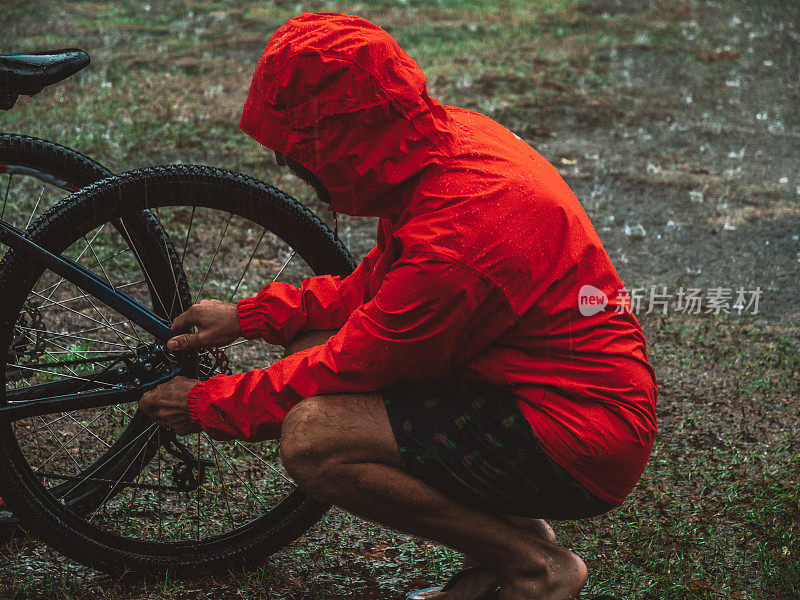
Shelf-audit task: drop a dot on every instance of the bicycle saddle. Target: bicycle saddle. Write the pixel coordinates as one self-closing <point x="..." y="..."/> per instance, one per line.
<point x="29" y="73"/>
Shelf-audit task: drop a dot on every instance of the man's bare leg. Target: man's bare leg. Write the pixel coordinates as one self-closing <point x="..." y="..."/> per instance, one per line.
<point x="538" y="527"/>
<point x="480" y="581"/>
<point x="340" y="449"/>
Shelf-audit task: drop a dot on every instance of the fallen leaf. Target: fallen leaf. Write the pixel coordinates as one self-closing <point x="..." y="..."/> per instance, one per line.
<point x="718" y="54"/>
<point x="699" y="584"/>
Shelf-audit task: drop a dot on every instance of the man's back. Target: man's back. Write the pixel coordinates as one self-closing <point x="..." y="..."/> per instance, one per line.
<point x="498" y="208"/>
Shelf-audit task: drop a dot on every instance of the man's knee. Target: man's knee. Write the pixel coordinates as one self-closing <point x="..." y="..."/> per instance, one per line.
<point x="306" y="445"/>
<point x="322" y="435"/>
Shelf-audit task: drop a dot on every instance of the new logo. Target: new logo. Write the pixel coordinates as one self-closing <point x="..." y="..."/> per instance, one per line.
<point x="591" y="300"/>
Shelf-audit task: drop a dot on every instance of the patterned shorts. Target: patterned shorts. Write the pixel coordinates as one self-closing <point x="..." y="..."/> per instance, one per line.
<point x="473" y="444"/>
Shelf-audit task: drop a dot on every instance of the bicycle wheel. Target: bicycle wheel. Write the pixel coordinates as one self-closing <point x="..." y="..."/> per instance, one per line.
<point x="35" y="174"/>
<point x="197" y="504"/>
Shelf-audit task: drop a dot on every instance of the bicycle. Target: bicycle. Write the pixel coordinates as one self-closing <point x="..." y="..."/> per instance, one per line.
<point x="90" y="288"/>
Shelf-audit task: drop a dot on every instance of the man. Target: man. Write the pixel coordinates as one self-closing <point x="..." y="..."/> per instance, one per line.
<point x="462" y="395"/>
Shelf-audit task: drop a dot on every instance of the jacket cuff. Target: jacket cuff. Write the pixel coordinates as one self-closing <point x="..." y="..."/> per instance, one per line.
<point x="249" y="317"/>
<point x="193" y="401"/>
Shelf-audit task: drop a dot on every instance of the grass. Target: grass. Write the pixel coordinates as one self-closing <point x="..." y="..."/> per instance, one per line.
<point x="645" y="102"/>
<point x="716" y="513"/>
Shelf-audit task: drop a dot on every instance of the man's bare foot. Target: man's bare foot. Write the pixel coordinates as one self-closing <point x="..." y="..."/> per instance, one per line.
<point x="563" y="578"/>
<point x="475" y="582"/>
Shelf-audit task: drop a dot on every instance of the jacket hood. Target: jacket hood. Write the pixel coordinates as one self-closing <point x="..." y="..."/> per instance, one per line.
<point x="337" y="94"/>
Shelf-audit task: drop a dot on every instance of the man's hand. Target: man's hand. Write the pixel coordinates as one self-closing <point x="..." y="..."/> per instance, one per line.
<point x="166" y="405"/>
<point x="217" y="323"/>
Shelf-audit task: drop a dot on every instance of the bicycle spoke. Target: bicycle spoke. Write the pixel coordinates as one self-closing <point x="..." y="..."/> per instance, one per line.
<point x="239" y="477"/>
<point x="35" y="208"/>
<point x="56" y="420"/>
<point x="91" y="433"/>
<point x="63" y="447"/>
<point x="64" y="349"/>
<point x="160" y="501"/>
<point x="106" y="356"/>
<point x="91" y="266"/>
<point x="62" y="375"/>
<point x="247" y="266"/>
<point x="135" y="494"/>
<point x="113" y="487"/>
<point x="105" y="324"/>
<point x="213" y="258"/>
<point x="144" y="267"/>
<point x="186" y="239"/>
<point x="291" y="256"/>
<point x="108" y="279"/>
<point x="68" y="369"/>
<point x="82" y="352"/>
<point x="69" y="414"/>
<point x="89" y="330"/>
<point x="75" y="298"/>
<point x="62" y="280"/>
<point x="231" y="345"/>
<point x="176" y="290"/>
<point x="108" y="324"/>
<point x="197" y="493"/>
<point x="73" y="337"/>
<point x="214" y="453"/>
<point x="108" y="458"/>
<point x="265" y="463"/>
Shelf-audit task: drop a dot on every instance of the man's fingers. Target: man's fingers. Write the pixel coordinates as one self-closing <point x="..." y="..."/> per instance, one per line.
<point x="183" y="320"/>
<point x="187" y="341"/>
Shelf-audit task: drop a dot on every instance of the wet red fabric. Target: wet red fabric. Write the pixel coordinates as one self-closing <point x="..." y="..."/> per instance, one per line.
<point x="481" y="252"/>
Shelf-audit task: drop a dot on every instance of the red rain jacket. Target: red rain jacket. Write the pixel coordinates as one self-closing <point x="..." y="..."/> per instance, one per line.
<point x="482" y="249"/>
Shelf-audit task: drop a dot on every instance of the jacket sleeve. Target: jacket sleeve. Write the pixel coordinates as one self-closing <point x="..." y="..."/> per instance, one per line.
<point x="429" y="316"/>
<point x="280" y="311"/>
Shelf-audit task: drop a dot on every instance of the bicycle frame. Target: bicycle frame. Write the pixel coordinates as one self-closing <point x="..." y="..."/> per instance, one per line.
<point x="99" y="289"/>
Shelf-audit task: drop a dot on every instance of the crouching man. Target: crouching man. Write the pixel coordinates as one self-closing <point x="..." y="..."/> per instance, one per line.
<point x="451" y="387"/>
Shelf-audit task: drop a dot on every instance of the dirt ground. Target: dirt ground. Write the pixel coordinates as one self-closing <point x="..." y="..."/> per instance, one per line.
<point x="676" y="123"/>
